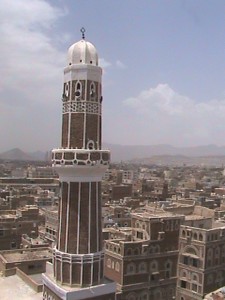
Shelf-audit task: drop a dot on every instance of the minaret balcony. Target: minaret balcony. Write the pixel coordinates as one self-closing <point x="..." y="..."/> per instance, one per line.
<point x="80" y="165"/>
<point x="80" y="157"/>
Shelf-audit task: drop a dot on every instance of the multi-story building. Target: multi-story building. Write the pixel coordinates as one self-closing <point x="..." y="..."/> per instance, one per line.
<point x="22" y="270"/>
<point x="201" y="263"/>
<point x="51" y="184"/>
<point x="155" y="190"/>
<point x="117" y="215"/>
<point x="49" y="232"/>
<point x="15" y="223"/>
<point x="121" y="191"/>
<point x="41" y="172"/>
<point x="144" y="261"/>
<point x="128" y="176"/>
<point x="78" y="257"/>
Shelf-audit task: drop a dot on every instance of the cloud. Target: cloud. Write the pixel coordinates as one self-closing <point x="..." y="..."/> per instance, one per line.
<point x="104" y="63"/>
<point x="162" y="115"/>
<point x="31" y="71"/>
<point x="120" y="65"/>
<point x="29" y="59"/>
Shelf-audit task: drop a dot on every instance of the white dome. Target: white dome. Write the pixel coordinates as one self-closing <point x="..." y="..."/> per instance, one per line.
<point x="82" y="52"/>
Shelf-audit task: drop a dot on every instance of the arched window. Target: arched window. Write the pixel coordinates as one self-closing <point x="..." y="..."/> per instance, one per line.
<point x="78" y="90"/>
<point x="117" y="267"/>
<point x="153" y="266"/>
<point x="142" y="268"/>
<point x="200" y="237"/>
<point x="108" y="263"/>
<point x="191" y="250"/>
<point x="195" y="236"/>
<point x="113" y="264"/>
<point x="137" y="224"/>
<point x="91" y="145"/>
<point x="168" y="269"/>
<point x="129" y="251"/>
<point x="132" y="296"/>
<point x="183" y="273"/>
<point x="217" y="252"/>
<point x="209" y="253"/>
<point x="136" y="251"/>
<point x="167" y="225"/>
<point x="195" y="277"/>
<point x="183" y="233"/>
<point x="131" y="268"/>
<point x="67" y="89"/>
<point x="92" y="91"/>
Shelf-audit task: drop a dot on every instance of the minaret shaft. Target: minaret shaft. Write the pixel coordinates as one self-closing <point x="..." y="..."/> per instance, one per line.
<point x="81" y="207"/>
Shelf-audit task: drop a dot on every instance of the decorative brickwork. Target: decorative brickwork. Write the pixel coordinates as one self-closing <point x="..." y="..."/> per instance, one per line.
<point x="82" y="107"/>
<point x="80" y="157"/>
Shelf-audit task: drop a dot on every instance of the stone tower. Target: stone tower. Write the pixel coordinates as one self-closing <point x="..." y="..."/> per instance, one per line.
<point x="80" y="163"/>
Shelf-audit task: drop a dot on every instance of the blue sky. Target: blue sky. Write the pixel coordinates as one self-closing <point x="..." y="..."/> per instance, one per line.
<point x="163" y="61"/>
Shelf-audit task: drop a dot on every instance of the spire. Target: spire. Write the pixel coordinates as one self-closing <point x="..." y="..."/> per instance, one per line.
<point x="83" y="31"/>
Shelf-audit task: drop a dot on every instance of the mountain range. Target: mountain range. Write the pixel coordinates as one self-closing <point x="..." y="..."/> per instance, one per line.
<point x="130" y="152"/>
<point x="18" y="154"/>
<point x="124" y="153"/>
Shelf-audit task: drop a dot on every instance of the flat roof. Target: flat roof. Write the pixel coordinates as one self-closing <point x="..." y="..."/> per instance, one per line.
<point x="26" y="255"/>
<point x="196" y="217"/>
<point x="13" y="287"/>
<point x="156" y="214"/>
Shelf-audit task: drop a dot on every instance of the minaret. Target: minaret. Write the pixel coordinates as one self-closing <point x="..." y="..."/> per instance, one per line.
<point x="80" y="163"/>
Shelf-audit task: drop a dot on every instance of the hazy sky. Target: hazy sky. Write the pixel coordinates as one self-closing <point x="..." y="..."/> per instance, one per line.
<point x="164" y="69"/>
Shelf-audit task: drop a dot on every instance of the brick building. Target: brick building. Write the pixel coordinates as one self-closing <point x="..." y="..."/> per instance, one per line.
<point x="121" y="191"/>
<point x="201" y="263"/>
<point x="142" y="259"/>
<point x="27" y="264"/>
<point x="15" y="223"/>
<point x="51" y="184"/>
<point x="49" y="232"/>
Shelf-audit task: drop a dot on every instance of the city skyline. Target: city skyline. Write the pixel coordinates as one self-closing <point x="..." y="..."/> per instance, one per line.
<point x="164" y="68"/>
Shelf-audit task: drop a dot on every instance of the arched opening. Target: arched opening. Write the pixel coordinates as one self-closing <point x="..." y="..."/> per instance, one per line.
<point x="90" y="145"/>
<point x="78" y="90"/>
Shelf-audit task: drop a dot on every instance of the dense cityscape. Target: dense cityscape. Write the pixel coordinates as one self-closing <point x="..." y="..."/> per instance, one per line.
<point x="163" y="227"/>
<point x="76" y="224"/>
